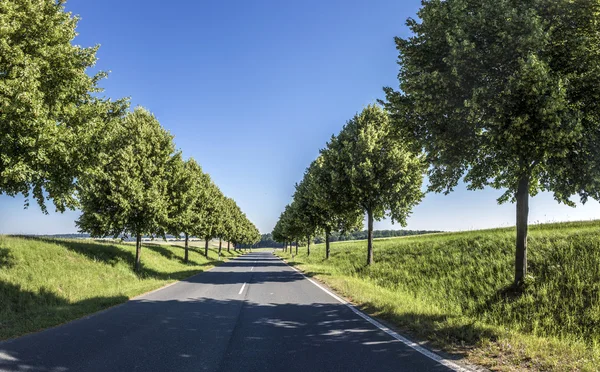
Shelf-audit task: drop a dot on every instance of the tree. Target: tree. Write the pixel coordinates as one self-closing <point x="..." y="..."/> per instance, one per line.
<point x="373" y="170"/>
<point x="209" y="212"/>
<point x="128" y="192"/>
<point x="333" y="215"/>
<point x="50" y="114"/>
<point x="188" y="192"/>
<point x="504" y="93"/>
<point x="306" y="216"/>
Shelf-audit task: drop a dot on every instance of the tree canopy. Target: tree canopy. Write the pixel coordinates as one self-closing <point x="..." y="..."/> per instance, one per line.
<point x="51" y="114"/>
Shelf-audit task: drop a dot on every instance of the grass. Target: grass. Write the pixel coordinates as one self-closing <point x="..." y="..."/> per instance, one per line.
<point x="45" y="282"/>
<point x="453" y="290"/>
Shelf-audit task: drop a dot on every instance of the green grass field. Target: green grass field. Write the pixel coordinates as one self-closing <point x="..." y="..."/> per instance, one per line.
<point x="452" y="290"/>
<point x="45" y="282"/>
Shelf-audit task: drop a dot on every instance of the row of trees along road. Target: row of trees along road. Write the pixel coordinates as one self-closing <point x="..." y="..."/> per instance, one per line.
<point x="61" y="142"/>
<point x="365" y="169"/>
<point x="498" y="93"/>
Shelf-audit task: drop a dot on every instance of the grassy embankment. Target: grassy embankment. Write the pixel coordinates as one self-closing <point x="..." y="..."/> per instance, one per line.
<point x="452" y="290"/>
<point x="45" y="282"/>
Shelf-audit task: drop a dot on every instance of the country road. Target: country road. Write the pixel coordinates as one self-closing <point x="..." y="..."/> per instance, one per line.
<point x="253" y="313"/>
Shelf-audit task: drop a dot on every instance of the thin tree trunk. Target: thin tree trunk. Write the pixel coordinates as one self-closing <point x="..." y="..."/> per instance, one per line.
<point x="219" y="246"/>
<point x="308" y="246"/>
<point x="228" y="244"/>
<point x="370" y="238"/>
<point x="206" y="247"/>
<point x="186" y="248"/>
<point x="522" y="215"/>
<point x="138" y="252"/>
<point x="296" y="247"/>
<point x="326" y="245"/>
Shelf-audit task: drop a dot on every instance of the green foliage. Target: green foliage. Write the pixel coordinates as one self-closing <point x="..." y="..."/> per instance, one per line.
<point x="45" y="282"/>
<point x="209" y="211"/>
<point x="373" y="170"/>
<point x="51" y="115"/>
<point x="188" y="193"/>
<point x="128" y="192"/>
<point x="455" y="290"/>
<point x="501" y="90"/>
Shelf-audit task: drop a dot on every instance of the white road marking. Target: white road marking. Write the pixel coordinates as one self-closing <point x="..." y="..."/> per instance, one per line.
<point x="242" y="289"/>
<point x="453" y="366"/>
<point x="252" y="268"/>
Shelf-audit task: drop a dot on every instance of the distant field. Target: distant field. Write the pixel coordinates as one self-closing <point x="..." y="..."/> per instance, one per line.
<point x="451" y="289"/>
<point x="45" y="282"/>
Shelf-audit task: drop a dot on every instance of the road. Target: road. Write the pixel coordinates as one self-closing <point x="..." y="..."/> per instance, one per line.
<point x="254" y="313"/>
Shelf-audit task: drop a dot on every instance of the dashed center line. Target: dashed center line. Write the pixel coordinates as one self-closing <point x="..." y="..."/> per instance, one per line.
<point x="242" y="289"/>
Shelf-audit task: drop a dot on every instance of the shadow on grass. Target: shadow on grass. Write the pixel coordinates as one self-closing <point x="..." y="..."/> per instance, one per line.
<point x="443" y="331"/>
<point x="170" y="255"/>
<point x="23" y="311"/>
<point x="6" y="259"/>
<point x="111" y="254"/>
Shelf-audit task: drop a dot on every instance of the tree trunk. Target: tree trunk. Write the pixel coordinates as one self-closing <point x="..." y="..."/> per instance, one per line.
<point x="138" y="252"/>
<point x="219" y="246"/>
<point x="522" y="215"/>
<point x="308" y="246"/>
<point x="206" y="247"/>
<point x="370" y="238"/>
<point x="327" y="245"/>
<point x="296" y="247"/>
<point x="228" y="244"/>
<point x="186" y="248"/>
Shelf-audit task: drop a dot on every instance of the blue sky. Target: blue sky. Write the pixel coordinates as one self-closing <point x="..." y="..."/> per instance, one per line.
<point x="253" y="90"/>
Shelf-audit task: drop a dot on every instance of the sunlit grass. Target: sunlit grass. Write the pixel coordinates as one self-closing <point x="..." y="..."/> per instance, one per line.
<point x="45" y="282"/>
<point x="453" y="290"/>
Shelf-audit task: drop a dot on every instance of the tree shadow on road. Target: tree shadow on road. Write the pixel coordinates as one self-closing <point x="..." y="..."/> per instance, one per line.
<point x="226" y="335"/>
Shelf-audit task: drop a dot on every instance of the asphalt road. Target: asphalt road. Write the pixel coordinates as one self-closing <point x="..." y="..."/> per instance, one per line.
<point x="253" y="313"/>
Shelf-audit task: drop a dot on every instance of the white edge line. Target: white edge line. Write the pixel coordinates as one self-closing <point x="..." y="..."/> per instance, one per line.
<point x="428" y="353"/>
<point x="242" y="289"/>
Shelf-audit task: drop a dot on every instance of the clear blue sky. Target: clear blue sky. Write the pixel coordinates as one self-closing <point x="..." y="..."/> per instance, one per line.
<point x="253" y="90"/>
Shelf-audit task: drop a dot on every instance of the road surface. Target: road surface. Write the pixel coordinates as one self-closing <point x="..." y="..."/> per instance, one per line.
<point x="253" y="313"/>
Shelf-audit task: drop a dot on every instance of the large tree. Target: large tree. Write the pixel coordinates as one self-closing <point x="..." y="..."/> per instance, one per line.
<point x="505" y="93"/>
<point x="50" y="114"/>
<point x="374" y="171"/>
<point x="188" y="192"/>
<point x="128" y="192"/>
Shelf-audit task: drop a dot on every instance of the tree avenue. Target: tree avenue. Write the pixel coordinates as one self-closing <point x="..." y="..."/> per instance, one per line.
<point x="60" y="141"/>
<point x="366" y="169"/>
<point x="50" y="115"/>
<point x="504" y="93"/>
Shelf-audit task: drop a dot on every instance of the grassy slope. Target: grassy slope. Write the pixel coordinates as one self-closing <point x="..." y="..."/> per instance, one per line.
<point x="45" y="282"/>
<point x="450" y="289"/>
